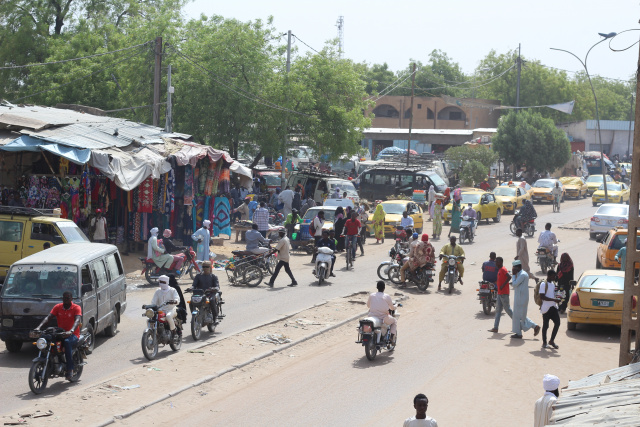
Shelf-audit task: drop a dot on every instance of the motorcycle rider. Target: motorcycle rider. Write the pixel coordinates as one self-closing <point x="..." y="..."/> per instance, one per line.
<point x="167" y="294"/>
<point x="379" y="305"/>
<point x="157" y="253"/>
<point x="556" y="192"/>
<point x="68" y="315"/>
<point x="363" y="217"/>
<point x="455" y="250"/>
<point x="170" y="248"/>
<point x="253" y="237"/>
<point x="406" y="221"/>
<point x="527" y="213"/>
<point x="490" y="270"/>
<point x="548" y="240"/>
<point x="421" y="252"/>
<point x="330" y="243"/>
<point x="471" y="213"/>
<point x="207" y="280"/>
<point x="352" y="230"/>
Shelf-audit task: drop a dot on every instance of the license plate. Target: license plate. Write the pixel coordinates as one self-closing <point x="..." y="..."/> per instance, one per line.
<point x="485" y="291"/>
<point x="602" y="303"/>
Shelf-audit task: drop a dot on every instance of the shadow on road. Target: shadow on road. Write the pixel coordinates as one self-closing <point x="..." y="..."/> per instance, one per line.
<point x="593" y="333"/>
<point x="545" y="353"/>
<point x="381" y="359"/>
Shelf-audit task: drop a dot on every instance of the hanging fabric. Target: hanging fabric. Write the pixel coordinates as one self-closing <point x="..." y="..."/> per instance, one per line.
<point x="222" y="220"/>
<point x="188" y="185"/>
<point x="145" y="204"/>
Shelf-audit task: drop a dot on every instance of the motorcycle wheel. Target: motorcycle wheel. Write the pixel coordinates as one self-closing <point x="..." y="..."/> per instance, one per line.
<point x="544" y="266"/>
<point x="321" y="273"/>
<point x="370" y="350"/>
<point x="77" y="362"/>
<point x="394" y="275"/>
<point x="149" y="344"/>
<point x="150" y="280"/>
<point x="252" y="276"/>
<point x="423" y="282"/>
<point x="530" y="231"/>
<point x="380" y="270"/>
<point x="212" y="326"/>
<point x="37" y="383"/>
<point x="463" y="235"/>
<point x="392" y="346"/>
<point x="513" y="228"/>
<point x="451" y="279"/>
<point x="196" y="326"/>
<point x="486" y="306"/>
<point x="176" y="342"/>
<point x="271" y="264"/>
<point x="192" y="272"/>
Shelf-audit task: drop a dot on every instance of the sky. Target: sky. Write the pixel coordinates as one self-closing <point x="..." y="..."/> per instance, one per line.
<point x="395" y="32"/>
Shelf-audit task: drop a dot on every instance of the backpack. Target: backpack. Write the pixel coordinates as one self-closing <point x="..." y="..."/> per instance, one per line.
<point x="536" y="293"/>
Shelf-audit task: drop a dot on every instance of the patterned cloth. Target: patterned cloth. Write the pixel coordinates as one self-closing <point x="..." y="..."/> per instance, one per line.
<point x="188" y="185"/>
<point x="222" y="221"/>
<point x="145" y="203"/>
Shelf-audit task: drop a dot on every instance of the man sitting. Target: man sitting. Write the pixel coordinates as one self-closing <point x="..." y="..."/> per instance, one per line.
<point x="327" y="242"/>
<point x="490" y="270"/>
<point x="471" y="213"/>
<point x="548" y="240"/>
<point x="253" y="237"/>
<point x="421" y="252"/>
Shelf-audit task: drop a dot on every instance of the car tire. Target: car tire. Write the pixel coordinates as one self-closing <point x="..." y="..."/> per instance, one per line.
<point x="571" y="326"/>
<point x="479" y="217"/>
<point x="598" y="263"/>
<point x="595" y="204"/>
<point x="592" y="236"/>
<point x="498" y="216"/>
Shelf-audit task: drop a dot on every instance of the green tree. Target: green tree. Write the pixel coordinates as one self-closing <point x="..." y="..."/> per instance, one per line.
<point x="471" y="162"/>
<point x="526" y="138"/>
<point x="377" y="77"/>
<point x="439" y="75"/>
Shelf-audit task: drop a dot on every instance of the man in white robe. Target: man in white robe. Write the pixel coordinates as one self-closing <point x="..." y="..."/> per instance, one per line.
<point x="203" y="237"/>
<point x="544" y="406"/>
<point x="286" y="198"/>
<point x="157" y="253"/>
<point x="520" y="321"/>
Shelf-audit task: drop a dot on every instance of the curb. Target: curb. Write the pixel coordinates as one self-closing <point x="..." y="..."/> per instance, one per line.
<point x="264" y="355"/>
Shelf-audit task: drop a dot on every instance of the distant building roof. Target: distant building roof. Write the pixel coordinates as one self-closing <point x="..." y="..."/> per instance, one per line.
<point x="610" y="125"/>
<point x="428" y="131"/>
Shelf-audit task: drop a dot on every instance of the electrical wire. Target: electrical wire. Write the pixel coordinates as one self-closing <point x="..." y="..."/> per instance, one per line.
<point x="237" y="90"/>
<point x="303" y="42"/>
<point x="134" y="108"/>
<point x="578" y="72"/>
<point x="75" y="59"/>
<point x="489" y="81"/>
<point x="80" y="78"/>
<point x="403" y="80"/>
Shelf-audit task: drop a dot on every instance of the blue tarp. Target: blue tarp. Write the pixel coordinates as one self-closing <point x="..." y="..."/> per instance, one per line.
<point x="27" y="143"/>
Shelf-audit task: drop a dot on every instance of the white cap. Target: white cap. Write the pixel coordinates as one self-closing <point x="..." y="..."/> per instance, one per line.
<point x="206" y="223"/>
<point x="154" y="231"/>
<point x="550" y="382"/>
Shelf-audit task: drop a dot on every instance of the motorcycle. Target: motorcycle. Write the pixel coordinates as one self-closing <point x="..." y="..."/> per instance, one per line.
<point x="158" y="332"/>
<point x="386" y="267"/>
<point x="422" y="276"/>
<point x="374" y="335"/>
<point x="51" y="360"/>
<point x="206" y="310"/>
<point x="528" y="228"/>
<point x="189" y="266"/>
<point x="466" y="226"/>
<point x="451" y="276"/>
<point x="488" y="296"/>
<point x="546" y="259"/>
<point x="323" y="264"/>
<point x="275" y="218"/>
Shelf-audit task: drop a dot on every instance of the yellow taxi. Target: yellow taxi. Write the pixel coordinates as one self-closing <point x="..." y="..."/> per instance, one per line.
<point x="618" y="192"/>
<point x="595" y="181"/>
<point x="542" y="190"/>
<point x="486" y="205"/>
<point x="393" y="214"/>
<point x="521" y="184"/>
<point x="574" y="186"/>
<point x="597" y="299"/>
<point x="609" y="246"/>
<point x="512" y="197"/>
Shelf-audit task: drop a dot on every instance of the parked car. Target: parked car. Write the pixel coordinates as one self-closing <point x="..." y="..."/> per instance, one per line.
<point x="609" y="246"/>
<point x="512" y="197"/>
<point x="542" y="190"/>
<point x="597" y="299"/>
<point x="574" y="186"/>
<point x="24" y="231"/>
<point x="608" y="216"/>
<point x="486" y="205"/>
<point x="393" y="214"/>
<point x="92" y="272"/>
<point x="618" y="192"/>
<point x="595" y="181"/>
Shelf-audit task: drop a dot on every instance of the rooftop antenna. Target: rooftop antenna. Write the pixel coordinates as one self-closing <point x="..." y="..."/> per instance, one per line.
<point x="340" y="25"/>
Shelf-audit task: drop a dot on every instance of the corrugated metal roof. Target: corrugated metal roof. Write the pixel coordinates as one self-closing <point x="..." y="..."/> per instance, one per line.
<point x="612" y="375"/>
<point x="80" y="136"/>
<point x="610" y="125"/>
<point x="35" y="117"/>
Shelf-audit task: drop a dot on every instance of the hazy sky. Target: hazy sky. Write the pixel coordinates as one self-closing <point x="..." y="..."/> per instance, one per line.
<point x="378" y="31"/>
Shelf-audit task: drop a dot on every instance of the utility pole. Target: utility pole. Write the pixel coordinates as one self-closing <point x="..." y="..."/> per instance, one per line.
<point x="169" y="123"/>
<point x="629" y="135"/>
<point x="156" y="82"/>
<point x="519" y="63"/>
<point x="413" y="82"/>
<point x="283" y="163"/>
<point x="630" y="329"/>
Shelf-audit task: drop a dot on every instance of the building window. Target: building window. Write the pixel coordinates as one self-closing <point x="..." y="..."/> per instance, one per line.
<point x="455" y="115"/>
<point x="407" y="113"/>
<point x="430" y="114"/>
<point x="386" y="110"/>
<point x="419" y="106"/>
<point x="451" y="113"/>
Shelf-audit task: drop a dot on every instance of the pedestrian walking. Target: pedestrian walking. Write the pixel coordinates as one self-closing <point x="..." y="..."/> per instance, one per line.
<point x="456" y="217"/>
<point x="261" y="217"/>
<point x="544" y="406"/>
<point x="378" y="223"/>
<point x="549" y="309"/>
<point x="431" y="199"/>
<point x="437" y="216"/>
<point x="565" y="276"/>
<point x="420" y="403"/>
<point x="286" y="198"/>
<point x="99" y="228"/>
<point x="502" y="301"/>
<point x="522" y="254"/>
<point x="520" y="321"/>
<point x="283" y="247"/>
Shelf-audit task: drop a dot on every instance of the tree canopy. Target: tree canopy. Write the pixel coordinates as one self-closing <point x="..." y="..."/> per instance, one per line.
<point x="471" y="162"/>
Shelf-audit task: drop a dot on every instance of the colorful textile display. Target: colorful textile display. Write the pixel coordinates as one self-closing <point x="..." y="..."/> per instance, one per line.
<point x="224" y="182"/>
<point x="222" y="220"/>
<point x="146" y="196"/>
<point x="188" y="185"/>
<point x="169" y="204"/>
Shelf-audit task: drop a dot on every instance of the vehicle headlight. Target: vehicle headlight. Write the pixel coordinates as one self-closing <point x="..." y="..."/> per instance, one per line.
<point x="149" y="313"/>
<point x="452" y="261"/>
<point x="41" y="343"/>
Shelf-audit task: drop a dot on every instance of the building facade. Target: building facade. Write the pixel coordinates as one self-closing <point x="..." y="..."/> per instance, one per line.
<point x="617" y="136"/>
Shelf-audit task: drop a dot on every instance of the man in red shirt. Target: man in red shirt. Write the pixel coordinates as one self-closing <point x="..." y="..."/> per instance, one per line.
<point x="352" y="231"/>
<point x="68" y="316"/>
<point x="503" y="293"/>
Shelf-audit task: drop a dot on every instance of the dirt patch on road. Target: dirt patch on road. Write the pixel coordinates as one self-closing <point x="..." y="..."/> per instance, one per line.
<point x="172" y="371"/>
<point x="581" y="224"/>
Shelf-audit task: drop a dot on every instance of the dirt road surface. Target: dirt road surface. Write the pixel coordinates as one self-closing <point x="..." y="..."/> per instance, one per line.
<point x="472" y="377"/>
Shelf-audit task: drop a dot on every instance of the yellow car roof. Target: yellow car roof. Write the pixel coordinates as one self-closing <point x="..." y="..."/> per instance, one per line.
<point x="571" y="180"/>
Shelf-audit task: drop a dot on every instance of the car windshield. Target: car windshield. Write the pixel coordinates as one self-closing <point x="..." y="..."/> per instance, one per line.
<point x="343" y="186"/>
<point x="71" y="232"/>
<point x="394" y="208"/>
<point x="471" y="198"/>
<point x="41" y="281"/>
<point x="272" y="180"/>
<point x="343" y="165"/>
<point x="439" y="182"/>
<point x="614" y="283"/>
<point x="505" y="191"/>
<point x="621" y="240"/>
<point x="611" y="187"/>
<point x="544" y="183"/>
<point x="595" y="178"/>
<point x="613" y="210"/>
<point x="329" y="214"/>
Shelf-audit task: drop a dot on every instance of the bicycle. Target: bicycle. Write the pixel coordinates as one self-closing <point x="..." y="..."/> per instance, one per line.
<point x="350" y="249"/>
<point x="556" y="204"/>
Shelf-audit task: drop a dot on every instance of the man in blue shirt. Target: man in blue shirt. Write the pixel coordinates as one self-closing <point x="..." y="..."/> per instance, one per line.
<point x="253" y="237"/>
<point x="489" y="269"/>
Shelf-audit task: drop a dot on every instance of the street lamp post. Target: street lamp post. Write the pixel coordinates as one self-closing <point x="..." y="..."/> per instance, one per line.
<point x="584" y="64"/>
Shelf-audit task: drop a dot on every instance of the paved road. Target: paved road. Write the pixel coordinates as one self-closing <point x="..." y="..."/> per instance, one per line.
<point x="248" y="307"/>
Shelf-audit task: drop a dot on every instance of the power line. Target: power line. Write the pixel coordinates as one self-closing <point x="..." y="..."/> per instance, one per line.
<point x="74" y="59"/>
<point x="133" y="108"/>
<point x="385" y="93"/>
<point x="579" y="72"/>
<point x="80" y="78"/>
<point x="237" y="90"/>
<point x="303" y="42"/>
